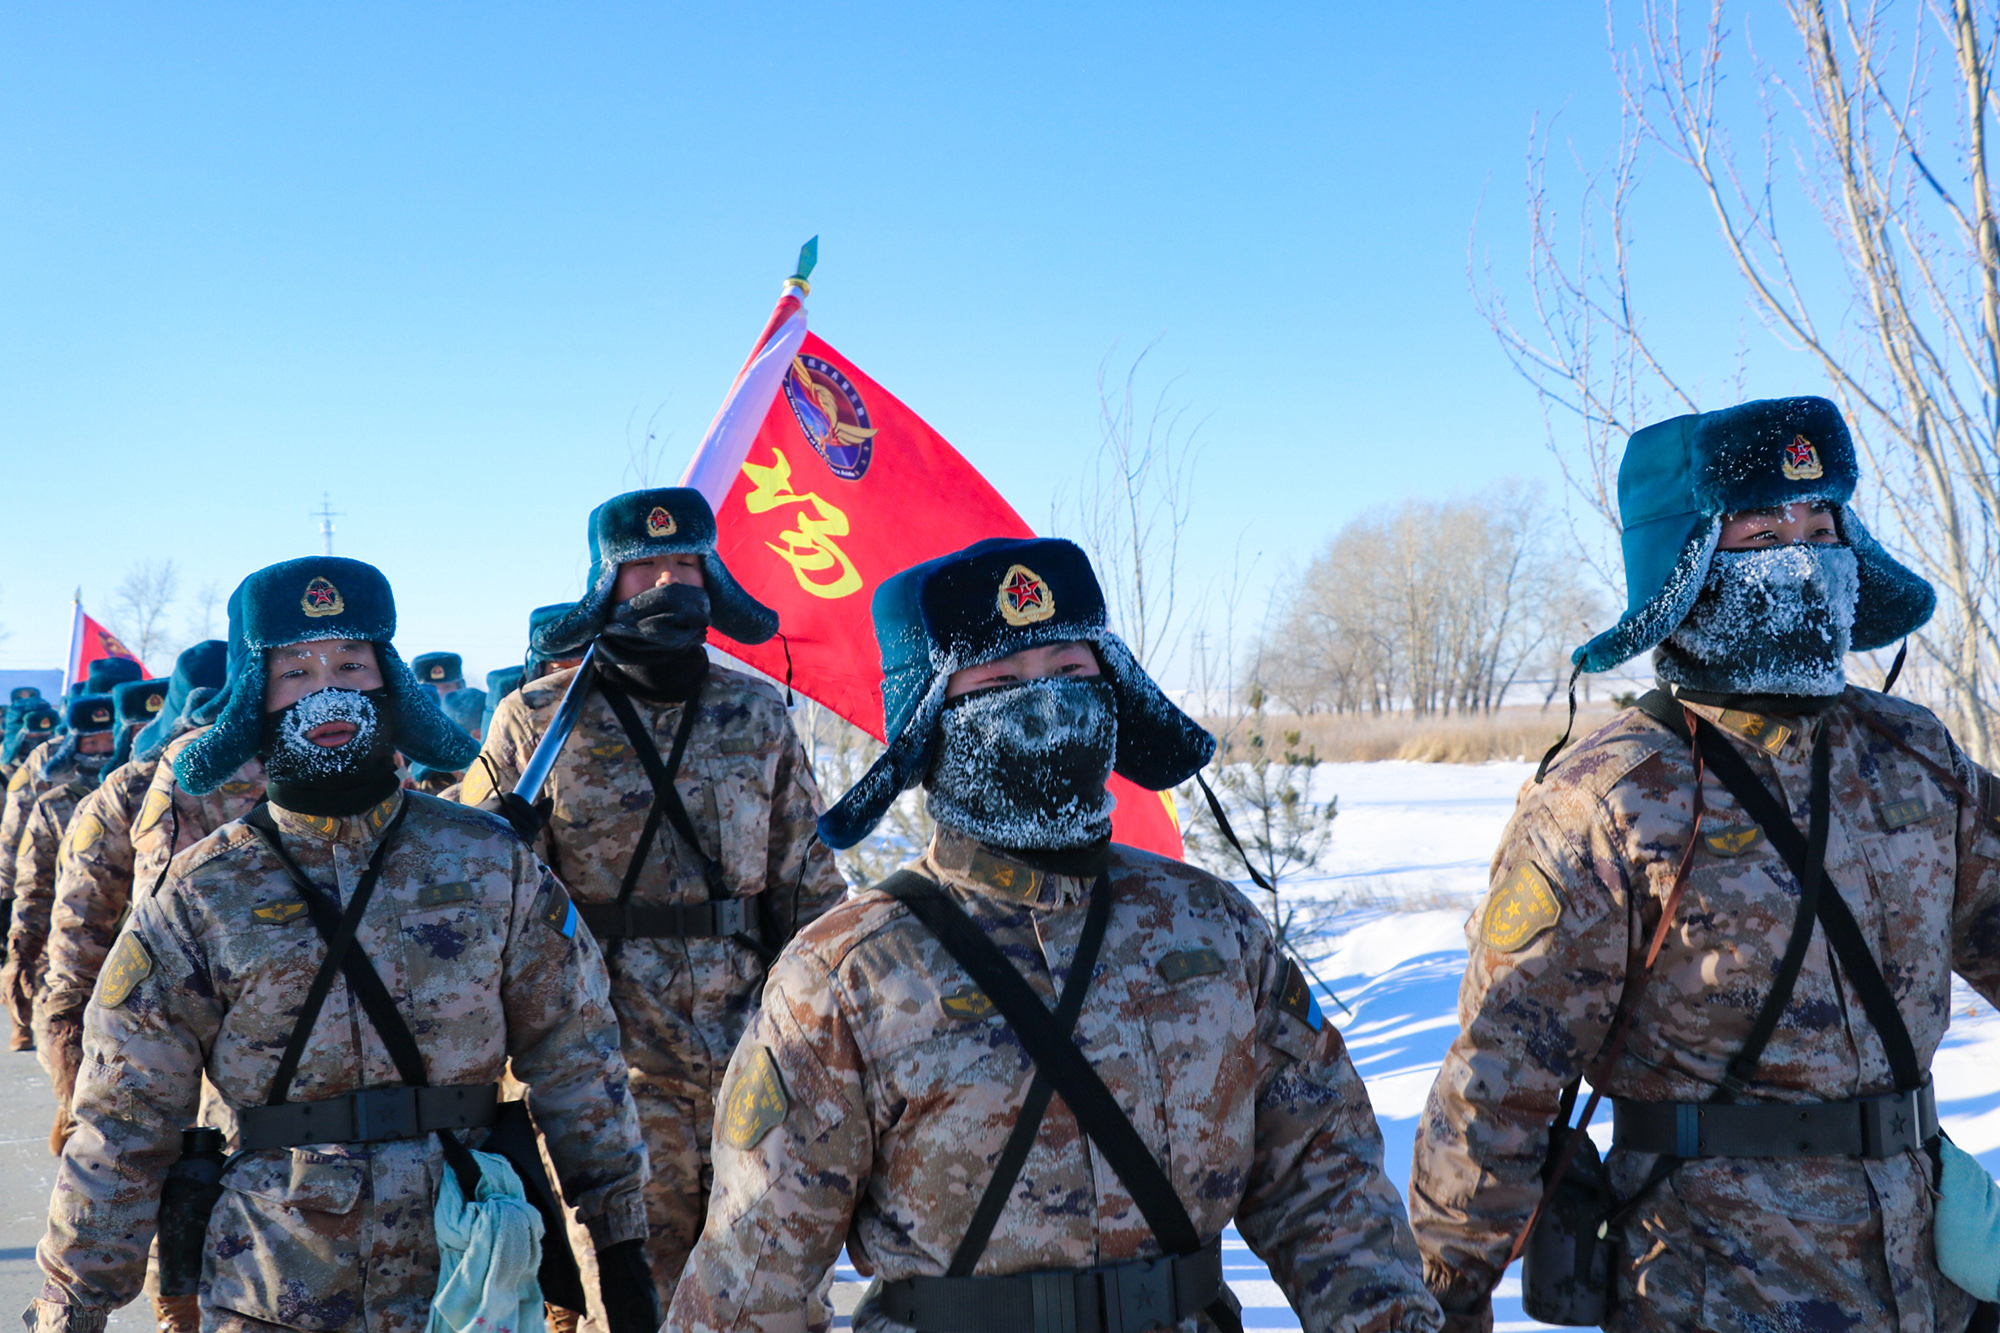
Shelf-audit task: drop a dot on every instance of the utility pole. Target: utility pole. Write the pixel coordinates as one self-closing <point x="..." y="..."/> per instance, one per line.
<point x="325" y="515"/>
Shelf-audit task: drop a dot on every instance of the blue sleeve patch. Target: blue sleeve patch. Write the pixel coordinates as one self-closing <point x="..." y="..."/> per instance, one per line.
<point x="1295" y="997"/>
<point x="558" y="912"/>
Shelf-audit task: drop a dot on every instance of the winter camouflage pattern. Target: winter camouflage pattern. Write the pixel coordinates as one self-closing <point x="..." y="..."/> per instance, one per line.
<point x="29" y="781"/>
<point x="872" y="1096"/>
<point x="1729" y="1243"/>
<point x="209" y="974"/>
<point x="92" y="888"/>
<point x="171" y="820"/>
<point x="681" y="1004"/>
<point x="34" y="891"/>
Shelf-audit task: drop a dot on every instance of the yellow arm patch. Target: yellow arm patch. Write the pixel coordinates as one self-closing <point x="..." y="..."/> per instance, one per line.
<point x="757" y="1103"/>
<point x="84" y="834"/>
<point x="1522" y="907"/>
<point x="128" y="965"/>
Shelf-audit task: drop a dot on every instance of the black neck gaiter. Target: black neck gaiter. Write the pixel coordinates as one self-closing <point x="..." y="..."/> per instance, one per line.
<point x="315" y="780"/>
<point x="652" y="645"/>
<point x="1023" y="767"/>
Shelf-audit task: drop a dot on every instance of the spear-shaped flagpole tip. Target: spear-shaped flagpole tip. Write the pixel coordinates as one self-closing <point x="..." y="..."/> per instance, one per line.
<point x="808" y="260"/>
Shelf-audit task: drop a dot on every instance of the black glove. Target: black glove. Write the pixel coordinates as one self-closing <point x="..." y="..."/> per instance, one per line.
<point x="526" y="819"/>
<point x="625" y="1281"/>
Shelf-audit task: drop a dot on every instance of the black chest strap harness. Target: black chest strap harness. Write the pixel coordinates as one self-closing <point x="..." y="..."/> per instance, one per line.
<point x="1131" y="1297"/>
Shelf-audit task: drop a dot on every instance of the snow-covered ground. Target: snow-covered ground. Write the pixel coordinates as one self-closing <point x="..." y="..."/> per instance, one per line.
<point x="1420" y="836"/>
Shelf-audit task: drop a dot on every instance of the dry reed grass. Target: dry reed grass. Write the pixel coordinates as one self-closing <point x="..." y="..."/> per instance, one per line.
<point x="1510" y="733"/>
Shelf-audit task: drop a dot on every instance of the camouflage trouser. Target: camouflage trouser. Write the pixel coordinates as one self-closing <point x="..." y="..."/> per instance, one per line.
<point x="676" y="1119"/>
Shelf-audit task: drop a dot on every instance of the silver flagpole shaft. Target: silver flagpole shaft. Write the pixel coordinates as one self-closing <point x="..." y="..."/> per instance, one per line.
<point x="567" y="712"/>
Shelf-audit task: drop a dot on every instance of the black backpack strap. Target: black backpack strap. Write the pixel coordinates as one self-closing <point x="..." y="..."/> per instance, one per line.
<point x="1028" y="1123"/>
<point x="362" y="979"/>
<point x="666" y="797"/>
<point x="1096" y="1110"/>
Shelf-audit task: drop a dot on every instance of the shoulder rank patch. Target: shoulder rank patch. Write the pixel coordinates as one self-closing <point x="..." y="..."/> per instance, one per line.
<point x="1522" y="907"/>
<point x="1295" y="997"/>
<point x="276" y="914"/>
<point x="1756" y="728"/>
<point x="1188" y="964"/>
<point x="968" y="1002"/>
<point x="757" y="1103"/>
<point x="558" y="913"/>
<point x="437" y="895"/>
<point x="1734" y="840"/>
<point x="1902" y="814"/>
<point x="128" y="965"/>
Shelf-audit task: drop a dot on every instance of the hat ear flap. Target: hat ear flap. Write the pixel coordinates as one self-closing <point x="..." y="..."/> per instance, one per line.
<point x="1895" y="600"/>
<point x="571" y="632"/>
<point x="901" y="767"/>
<point x="1159" y="746"/>
<point x="1662" y="613"/>
<point x="212" y="758"/>
<point x="424" y="732"/>
<point x="733" y="611"/>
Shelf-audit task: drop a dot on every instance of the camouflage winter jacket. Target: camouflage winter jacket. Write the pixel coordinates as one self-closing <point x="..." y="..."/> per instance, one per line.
<point x="30" y="780"/>
<point x="93" y="886"/>
<point x="171" y="819"/>
<point x="872" y="1096"/>
<point x="34" y="892"/>
<point x="471" y="934"/>
<point x="1579" y="882"/>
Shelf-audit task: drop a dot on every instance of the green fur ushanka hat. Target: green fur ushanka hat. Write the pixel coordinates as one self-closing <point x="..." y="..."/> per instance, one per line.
<point x="315" y="598"/>
<point x="1679" y="477"/>
<point x="670" y="520"/>
<point x="139" y="704"/>
<point x="21" y="694"/>
<point x="205" y="665"/>
<point x="438" y="668"/>
<point x="499" y="684"/>
<point x="988" y="601"/>
<point x="35" y="723"/>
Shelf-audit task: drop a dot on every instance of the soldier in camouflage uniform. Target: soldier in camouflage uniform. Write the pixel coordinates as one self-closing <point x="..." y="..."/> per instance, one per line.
<point x="1750" y="576"/>
<point x="324" y="1223"/>
<point x="685" y="974"/>
<point x="83" y="753"/>
<point x="872" y="1098"/>
<point x="34" y="726"/>
<point x="94" y="876"/>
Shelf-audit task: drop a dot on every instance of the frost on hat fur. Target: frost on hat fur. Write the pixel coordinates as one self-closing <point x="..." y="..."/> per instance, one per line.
<point x="1680" y="476"/>
<point x="957" y="611"/>
<point x="302" y="601"/>
<point x="669" y="520"/>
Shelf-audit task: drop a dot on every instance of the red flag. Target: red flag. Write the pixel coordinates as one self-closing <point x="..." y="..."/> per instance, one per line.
<point x="840" y="487"/>
<point x="90" y="642"/>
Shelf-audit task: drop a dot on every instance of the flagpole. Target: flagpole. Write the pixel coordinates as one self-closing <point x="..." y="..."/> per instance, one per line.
<point x="75" y="639"/>
<point x="726" y="443"/>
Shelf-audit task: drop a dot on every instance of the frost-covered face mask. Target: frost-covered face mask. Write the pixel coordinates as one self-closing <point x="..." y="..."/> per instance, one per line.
<point x="1023" y="767"/>
<point x="290" y="758"/>
<point x="1774" y="621"/>
<point x="91" y="764"/>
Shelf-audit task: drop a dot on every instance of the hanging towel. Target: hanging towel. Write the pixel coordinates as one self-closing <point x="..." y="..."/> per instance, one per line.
<point x="488" y="1254"/>
<point x="1968" y="1223"/>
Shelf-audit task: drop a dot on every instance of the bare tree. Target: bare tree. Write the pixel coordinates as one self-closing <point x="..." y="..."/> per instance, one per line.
<point x="139" y="605"/>
<point x="1882" y="137"/>
<point x="201" y="619"/>
<point x="1132" y="505"/>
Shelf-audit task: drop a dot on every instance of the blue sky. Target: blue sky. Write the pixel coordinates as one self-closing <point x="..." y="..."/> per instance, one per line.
<point x="445" y="263"/>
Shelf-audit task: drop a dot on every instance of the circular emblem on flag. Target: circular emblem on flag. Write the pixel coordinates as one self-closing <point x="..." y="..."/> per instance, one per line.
<point x="660" y="523"/>
<point x="1801" y="462"/>
<point x="322" y="599"/>
<point x="1025" y="597"/>
<point x="154" y="703"/>
<point x="832" y="415"/>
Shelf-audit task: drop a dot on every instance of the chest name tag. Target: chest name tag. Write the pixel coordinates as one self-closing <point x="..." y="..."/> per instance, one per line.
<point x="437" y="895"/>
<point x="1189" y="964"/>
<point x="128" y="965"/>
<point x="1520" y="909"/>
<point x="739" y="745"/>
<point x="1296" y="998"/>
<point x="757" y="1102"/>
<point x="1733" y="841"/>
<point x="1902" y="814"/>
<point x="276" y="914"/>
<point x="967" y="1002"/>
<point x="558" y="913"/>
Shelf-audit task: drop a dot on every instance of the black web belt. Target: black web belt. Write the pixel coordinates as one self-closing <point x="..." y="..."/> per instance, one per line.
<point x="1117" y="1298"/>
<point x="370" y="1116"/>
<point x="1884" y="1126"/>
<point x="666" y="921"/>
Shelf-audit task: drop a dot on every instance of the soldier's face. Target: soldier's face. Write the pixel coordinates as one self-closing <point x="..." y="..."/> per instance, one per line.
<point x="1072" y="658"/>
<point x="94" y="742"/>
<point x="635" y="576"/>
<point x="1782" y="525"/>
<point x="298" y="669"/>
